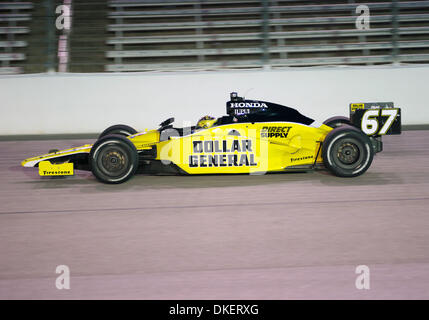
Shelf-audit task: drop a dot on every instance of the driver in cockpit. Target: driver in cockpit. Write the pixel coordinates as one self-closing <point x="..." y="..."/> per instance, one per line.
<point x="205" y="122"/>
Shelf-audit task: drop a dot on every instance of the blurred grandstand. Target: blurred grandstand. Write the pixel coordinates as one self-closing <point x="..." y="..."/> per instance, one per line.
<point x="168" y="35"/>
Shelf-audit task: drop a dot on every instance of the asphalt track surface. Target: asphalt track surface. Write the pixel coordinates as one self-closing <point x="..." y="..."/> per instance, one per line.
<point x="277" y="236"/>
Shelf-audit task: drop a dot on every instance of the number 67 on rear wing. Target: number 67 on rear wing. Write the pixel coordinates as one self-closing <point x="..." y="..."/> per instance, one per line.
<point x="376" y="119"/>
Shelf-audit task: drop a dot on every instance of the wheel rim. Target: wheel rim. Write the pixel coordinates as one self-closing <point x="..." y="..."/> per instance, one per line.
<point x="113" y="161"/>
<point x="348" y="153"/>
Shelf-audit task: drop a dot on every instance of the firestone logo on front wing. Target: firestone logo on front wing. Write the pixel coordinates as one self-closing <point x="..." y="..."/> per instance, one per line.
<point x="55" y="173"/>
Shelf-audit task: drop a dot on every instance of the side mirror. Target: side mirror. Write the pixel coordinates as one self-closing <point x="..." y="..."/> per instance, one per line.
<point x="166" y="122"/>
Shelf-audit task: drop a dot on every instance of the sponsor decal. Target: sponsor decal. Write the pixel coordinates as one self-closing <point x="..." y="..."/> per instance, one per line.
<point x="56" y="173"/>
<point x="355" y="106"/>
<point x="301" y="158"/>
<point x="275" y="132"/>
<point x="239" y="112"/>
<point x="48" y="169"/>
<point x="248" y="105"/>
<point x="224" y="153"/>
<point x="241" y="108"/>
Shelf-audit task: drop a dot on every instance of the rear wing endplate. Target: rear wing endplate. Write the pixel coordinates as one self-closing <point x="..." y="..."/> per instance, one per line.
<point x="376" y="118"/>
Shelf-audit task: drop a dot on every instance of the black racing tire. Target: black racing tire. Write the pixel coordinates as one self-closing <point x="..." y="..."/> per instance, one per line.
<point x="113" y="159"/>
<point x="337" y="121"/>
<point x="120" y="129"/>
<point x="347" y="152"/>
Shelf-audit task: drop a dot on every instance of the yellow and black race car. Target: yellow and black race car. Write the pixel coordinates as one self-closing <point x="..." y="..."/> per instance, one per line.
<point x="254" y="137"/>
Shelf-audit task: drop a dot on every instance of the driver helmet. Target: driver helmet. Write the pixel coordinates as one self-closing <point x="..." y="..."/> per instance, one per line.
<point x="206" y="122"/>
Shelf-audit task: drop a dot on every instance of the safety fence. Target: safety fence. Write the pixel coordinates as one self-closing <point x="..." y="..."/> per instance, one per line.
<point x="217" y="34"/>
<point x="13" y="16"/>
<point x="171" y="35"/>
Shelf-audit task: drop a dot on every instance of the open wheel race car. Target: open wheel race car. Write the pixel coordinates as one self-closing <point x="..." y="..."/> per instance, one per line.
<point x="254" y="137"/>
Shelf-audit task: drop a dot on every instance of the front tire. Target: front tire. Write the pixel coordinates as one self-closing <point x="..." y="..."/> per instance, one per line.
<point x="113" y="159"/>
<point x="347" y="152"/>
<point x="120" y="129"/>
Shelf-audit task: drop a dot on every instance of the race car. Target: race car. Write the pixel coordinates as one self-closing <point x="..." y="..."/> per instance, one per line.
<point x="254" y="137"/>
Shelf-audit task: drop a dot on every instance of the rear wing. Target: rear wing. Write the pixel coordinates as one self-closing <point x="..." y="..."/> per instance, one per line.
<point x="376" y="118"/>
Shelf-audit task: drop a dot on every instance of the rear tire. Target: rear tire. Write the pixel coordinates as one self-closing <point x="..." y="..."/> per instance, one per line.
<point x="347" y="152"/>
<point x="120" y="129"/>
<point x="336" y="122"/>
<point x="113" y="159"/>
